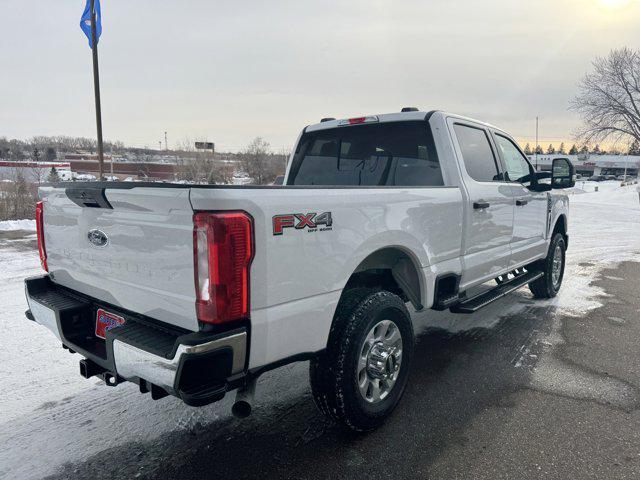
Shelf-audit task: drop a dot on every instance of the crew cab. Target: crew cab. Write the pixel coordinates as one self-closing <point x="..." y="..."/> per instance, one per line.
<point x="196" y="290"/>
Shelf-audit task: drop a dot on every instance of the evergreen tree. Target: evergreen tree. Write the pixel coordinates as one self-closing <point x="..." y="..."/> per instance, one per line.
<point x="539" y="150"/>
<point x="561" y="150"/>
<point x="584" y="149"/>
<point x="551" y="150"/>
<point x="527" y="149"/>
<point x="634" y="148"/>
<point x="596" y="150"/>
<point x="574" y="150"/>
<point x="36" y="155"/>
<point x="53" y="176"/>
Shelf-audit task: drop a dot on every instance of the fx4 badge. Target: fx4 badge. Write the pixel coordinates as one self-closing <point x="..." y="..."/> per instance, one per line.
<point x="301" y="221"/>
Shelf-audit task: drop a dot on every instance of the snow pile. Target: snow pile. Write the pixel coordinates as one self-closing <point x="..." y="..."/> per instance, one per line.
<point x="10" y="225"/>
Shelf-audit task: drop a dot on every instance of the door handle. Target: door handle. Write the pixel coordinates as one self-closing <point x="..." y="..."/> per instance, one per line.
<point x="521" y="203"/>
<point x="480" y="205"/>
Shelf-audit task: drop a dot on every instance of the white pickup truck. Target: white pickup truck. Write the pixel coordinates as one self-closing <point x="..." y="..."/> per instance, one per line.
<point x="196" y="290"/>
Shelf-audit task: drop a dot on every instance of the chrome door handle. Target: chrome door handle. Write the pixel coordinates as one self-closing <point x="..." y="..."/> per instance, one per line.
<point x="521" y="203"/>
<point x="480" y="205"/>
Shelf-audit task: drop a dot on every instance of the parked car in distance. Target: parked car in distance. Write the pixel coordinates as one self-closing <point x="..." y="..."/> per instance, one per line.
<point x="196" y="290"/>
<point x="596" y="178"/>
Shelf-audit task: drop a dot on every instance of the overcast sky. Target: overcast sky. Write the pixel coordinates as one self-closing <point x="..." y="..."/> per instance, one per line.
<point x="230" y="71"/>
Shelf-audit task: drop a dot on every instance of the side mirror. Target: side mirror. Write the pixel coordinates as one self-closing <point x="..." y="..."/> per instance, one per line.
<point x="563" y="174"/>
<point x="541" y="181"/>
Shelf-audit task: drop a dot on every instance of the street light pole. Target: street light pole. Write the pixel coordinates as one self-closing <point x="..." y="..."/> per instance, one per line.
<point x="537" y="144"/>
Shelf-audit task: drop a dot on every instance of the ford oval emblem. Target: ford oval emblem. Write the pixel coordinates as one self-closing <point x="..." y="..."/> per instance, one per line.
<point x="98" y="238"/>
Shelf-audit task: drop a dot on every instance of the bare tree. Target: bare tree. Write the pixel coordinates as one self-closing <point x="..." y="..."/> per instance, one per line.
<point x="17" y="198"/>
<point x="261" y="165"/>
<point x="204" y="170"/>
<point x="201" y="167"/>
<point x="37" y="175"/>
<point x="254" y="160"/>
<point x="608" y="98"/>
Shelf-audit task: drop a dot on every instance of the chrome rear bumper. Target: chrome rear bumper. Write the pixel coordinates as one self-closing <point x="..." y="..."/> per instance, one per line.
<point x="196" y="367"/>
<point x="132" y="362"/>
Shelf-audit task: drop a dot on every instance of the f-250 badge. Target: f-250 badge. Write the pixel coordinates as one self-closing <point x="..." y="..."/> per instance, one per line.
<point x="312" y="222"/>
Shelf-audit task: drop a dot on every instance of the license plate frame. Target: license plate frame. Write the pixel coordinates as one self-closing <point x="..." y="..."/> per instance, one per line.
<point x="105" y="321"/>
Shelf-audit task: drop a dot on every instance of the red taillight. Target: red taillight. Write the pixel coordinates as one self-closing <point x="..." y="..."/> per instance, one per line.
<point x="223" y="250"/>
<point x="358" y="120"/>
<point x="40" y="234"/>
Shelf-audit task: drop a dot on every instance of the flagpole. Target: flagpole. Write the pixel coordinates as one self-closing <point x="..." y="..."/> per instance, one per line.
<point x="96" y="88"/>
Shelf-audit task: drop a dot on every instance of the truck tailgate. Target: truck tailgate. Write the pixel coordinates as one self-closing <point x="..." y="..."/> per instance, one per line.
<point x="146" y="262"/>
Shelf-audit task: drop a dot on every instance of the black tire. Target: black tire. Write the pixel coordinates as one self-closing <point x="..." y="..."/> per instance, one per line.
<point x="545" y="287"/>
<point x="333" y="373"/>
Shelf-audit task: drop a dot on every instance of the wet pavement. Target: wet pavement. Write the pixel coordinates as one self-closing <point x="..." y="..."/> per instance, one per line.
<point x="528" y="394"/>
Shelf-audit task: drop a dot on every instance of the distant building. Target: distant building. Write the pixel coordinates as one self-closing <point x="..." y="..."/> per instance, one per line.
<point x="122" y="170"/>
<point x="589" y="164"/>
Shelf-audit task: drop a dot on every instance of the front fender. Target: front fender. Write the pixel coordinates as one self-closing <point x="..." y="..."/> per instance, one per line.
<point x="558" y="207"/>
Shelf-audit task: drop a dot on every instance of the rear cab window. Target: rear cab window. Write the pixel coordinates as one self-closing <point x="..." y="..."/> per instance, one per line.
<point x="399" y="154"/>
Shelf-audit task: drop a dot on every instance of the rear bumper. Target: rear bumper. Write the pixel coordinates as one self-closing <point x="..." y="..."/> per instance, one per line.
<point x="197" y="367"/>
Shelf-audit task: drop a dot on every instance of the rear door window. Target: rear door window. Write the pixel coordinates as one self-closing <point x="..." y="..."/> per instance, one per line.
<point x="477" y="154"/>
<point x="385" y="154"/>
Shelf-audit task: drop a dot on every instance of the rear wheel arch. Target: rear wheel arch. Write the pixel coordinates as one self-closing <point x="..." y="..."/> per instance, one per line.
<point x="391" y="269"/>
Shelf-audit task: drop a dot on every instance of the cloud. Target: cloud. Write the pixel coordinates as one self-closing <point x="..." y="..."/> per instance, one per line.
<point x="228" y="72"/>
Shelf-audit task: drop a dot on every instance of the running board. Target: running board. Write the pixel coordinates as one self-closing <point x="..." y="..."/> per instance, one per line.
<point x="474" y="304"/>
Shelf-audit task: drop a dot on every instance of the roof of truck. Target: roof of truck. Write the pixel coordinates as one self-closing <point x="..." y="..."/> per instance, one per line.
<point x="392" y="117"/>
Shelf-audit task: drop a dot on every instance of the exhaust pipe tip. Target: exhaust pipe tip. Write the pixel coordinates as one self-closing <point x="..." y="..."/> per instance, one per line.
<point x="243" y="405"/>
<point x="241" y="409"/>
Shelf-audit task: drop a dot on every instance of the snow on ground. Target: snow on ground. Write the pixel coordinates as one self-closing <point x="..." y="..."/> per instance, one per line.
<point x="31" y="367"/>
<point x="604" y="229"/>
<point x="10" y="225"/>
<point x="49" y="415"/>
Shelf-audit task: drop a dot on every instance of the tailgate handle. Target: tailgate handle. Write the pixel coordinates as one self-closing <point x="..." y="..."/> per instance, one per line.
<point x="90" y="197"/>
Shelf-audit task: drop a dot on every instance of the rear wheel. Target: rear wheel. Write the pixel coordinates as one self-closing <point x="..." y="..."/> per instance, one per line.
<point x="361" y="376"/>
<point x="552" y="266"/>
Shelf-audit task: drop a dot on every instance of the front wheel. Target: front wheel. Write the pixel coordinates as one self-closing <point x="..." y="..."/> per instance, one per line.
<point x="552" y="266"/>
<point x="362" y="374"/>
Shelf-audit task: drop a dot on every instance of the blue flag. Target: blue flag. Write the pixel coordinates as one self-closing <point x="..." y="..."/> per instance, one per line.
<point x="85" y="21"/>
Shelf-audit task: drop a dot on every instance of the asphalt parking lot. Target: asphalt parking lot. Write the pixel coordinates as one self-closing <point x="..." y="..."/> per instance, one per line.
<point x="533" y="394"/>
